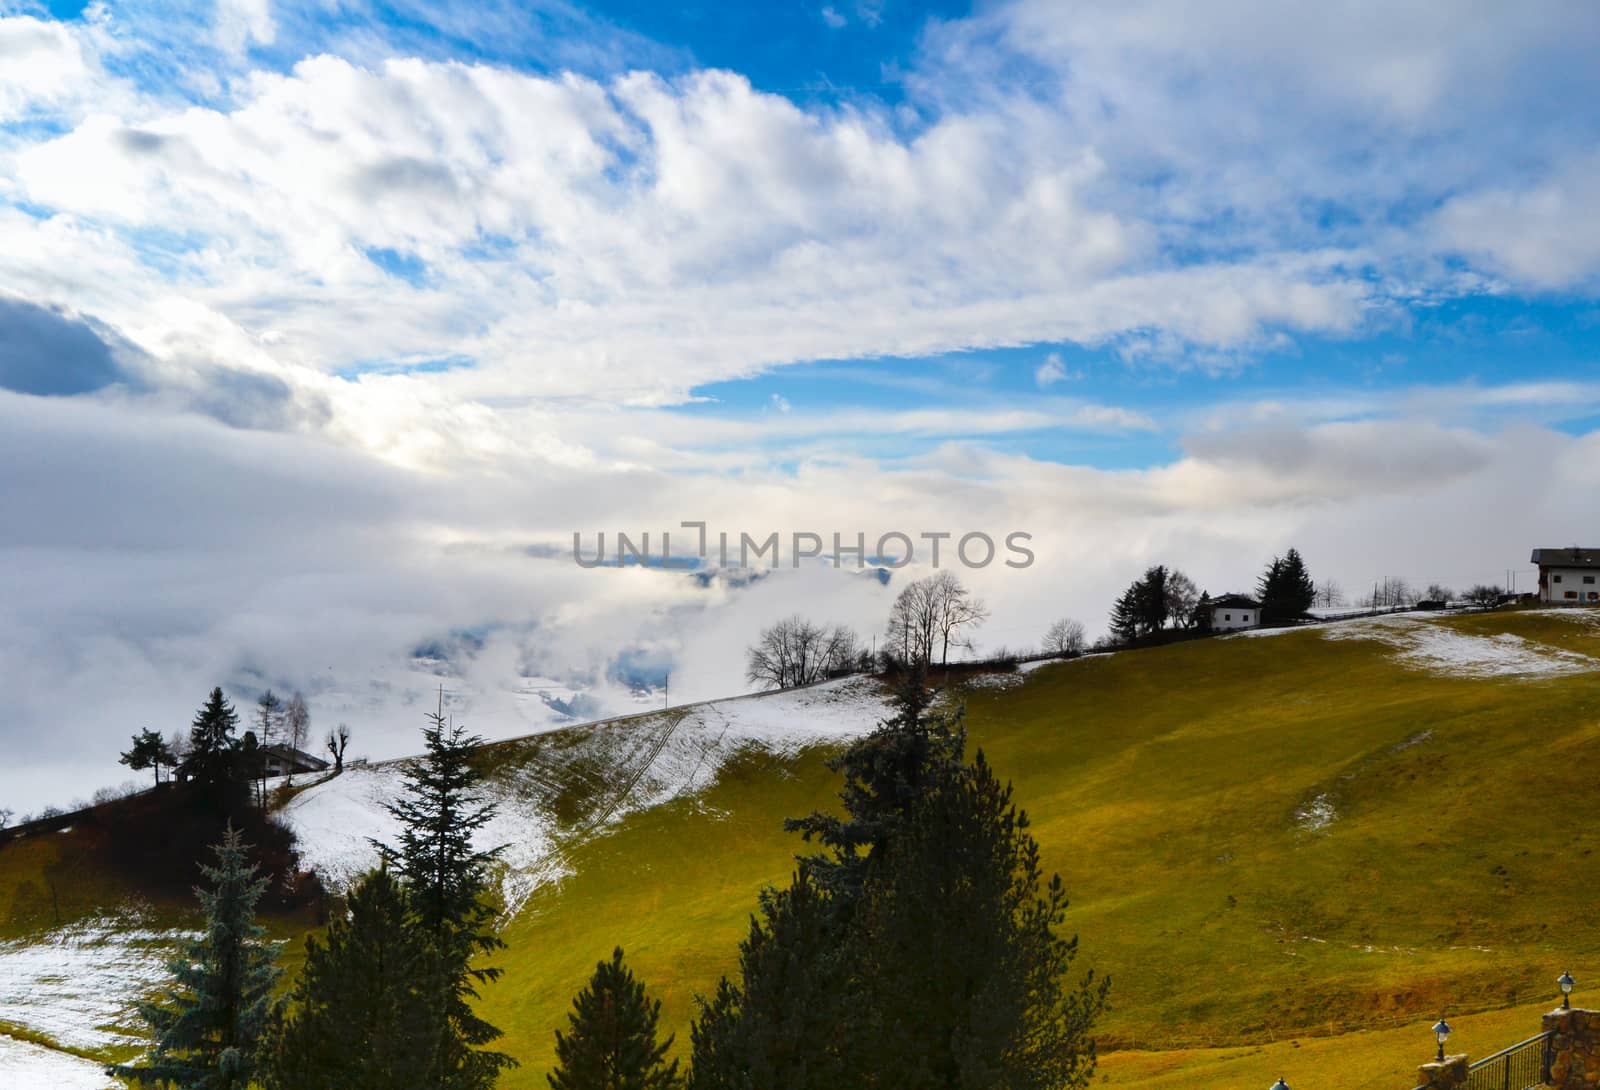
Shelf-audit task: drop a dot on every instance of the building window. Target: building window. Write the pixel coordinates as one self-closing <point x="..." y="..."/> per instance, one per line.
<point x="1556" y="578"/>
<point x="1570" y="594"/>
<point x="1588" y="579"/>
<point x="1227" y="616"/>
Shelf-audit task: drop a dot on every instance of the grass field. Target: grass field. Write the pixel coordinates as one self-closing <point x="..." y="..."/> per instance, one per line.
<point x="1291" y="854"/>
<point x="1265" y="838"/>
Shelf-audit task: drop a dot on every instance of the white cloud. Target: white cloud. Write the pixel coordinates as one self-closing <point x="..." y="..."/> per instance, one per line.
<point x="1185" y="182"/>
<point x="833" y="18"/>
<point x="1051" y="371"/>
<point x="215" y="555"/>
<point x="241" y="22"/>
<point x="1546" y="234"/>
<point x="44" y="69"/>
<point x="643" y="236"/>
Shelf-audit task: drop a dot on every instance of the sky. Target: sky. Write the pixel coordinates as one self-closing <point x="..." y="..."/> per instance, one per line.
<point x="325" y="327"/>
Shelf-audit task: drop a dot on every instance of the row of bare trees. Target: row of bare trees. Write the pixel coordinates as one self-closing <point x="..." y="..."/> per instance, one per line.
<point x="930" y="618"/>
<point x="797" y="652"/>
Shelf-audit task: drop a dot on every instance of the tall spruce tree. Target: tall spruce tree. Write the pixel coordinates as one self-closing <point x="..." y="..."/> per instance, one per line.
<point x="920" y="949"/>
<point x="208" y="1027"/>
<point x="961" y="966"/>
<point x="210" y="761"/>
<point x="884" y="775"/>
<point x="1144" y="607"/>
<point x="611" y="1039"/>
<point x="789" y="1023"/>
<point x="447" y="885"/>
<point x="1286" y="589"/>
<point x="1125" y="615"/>
<point x="365" y="1011"/>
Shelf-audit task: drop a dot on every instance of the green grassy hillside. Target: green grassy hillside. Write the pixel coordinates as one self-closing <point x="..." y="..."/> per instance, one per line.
<point x="1291" y="853"/>
<point x="1180" y="792"/>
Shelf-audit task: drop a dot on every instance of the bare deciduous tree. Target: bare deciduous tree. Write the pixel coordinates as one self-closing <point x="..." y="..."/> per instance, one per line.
<point x="930" y="616"/>
<point x="1182" y="596"/>
<point x="336" y="742"/>
<point x="1065" y="637"/>
<point x="178" y="746"/>
<point x="1484" y="595"/>
<point x="1329" y="594"/>
<point x="1392" y="592"/>
<point x="797" y="652"/>
<point x="297" y="721"/>
<point x="1438" y="592"/>
<point x="957" y="610"/>
<point x="269" y="725"/>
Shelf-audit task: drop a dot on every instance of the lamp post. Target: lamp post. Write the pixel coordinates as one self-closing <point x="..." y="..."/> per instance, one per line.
<point x="1566" y="982"/>
<point x="1441" y="1030"/>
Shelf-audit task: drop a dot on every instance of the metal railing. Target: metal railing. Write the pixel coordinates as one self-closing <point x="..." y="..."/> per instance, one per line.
<point x="1523" y="1066"/>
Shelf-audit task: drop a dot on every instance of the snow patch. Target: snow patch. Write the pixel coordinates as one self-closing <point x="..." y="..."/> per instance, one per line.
<point x="337" y="821"/>
<point x="647" y="761"/>
<point x="26" y="1066"/>
<point x="1458" y="654"/>
<point x="1317" y="814"/>
<point x="79" y="985"/>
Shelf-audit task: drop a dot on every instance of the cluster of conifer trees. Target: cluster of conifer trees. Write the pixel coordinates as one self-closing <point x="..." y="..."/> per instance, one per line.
<point x="1164" y="595"/>
<point x="916" y="946"/>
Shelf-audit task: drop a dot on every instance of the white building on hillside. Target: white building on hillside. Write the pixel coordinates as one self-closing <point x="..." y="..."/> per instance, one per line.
<point x="1233" y="611"/>
<point x="1569" y="576"/>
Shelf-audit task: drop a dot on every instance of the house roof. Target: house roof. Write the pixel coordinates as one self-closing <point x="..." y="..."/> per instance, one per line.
<point x="297" y="756"/>
<point x="1570" y="557"/>
<point x="1235" y="601"/>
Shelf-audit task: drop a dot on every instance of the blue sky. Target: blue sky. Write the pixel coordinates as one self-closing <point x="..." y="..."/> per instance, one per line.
<point x="340" y="320"/>
<point x="1368" y="236"/>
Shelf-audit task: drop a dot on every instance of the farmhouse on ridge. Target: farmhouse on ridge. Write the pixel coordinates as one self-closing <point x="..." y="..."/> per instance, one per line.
<point x="1233" y="611"/>
<point x="286" y="760"/>
<point x="1570" y="575"/>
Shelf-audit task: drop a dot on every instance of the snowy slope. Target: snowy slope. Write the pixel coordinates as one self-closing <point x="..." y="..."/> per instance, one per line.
<point x="28" y="1067"/>
<point x="618" y="767"/>
<point x="1440" y="649"/>
<point x="78" y="985"/>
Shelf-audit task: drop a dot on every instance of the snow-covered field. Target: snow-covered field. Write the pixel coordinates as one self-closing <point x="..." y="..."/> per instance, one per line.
<point x="24" y="1066"/>
<point x="1428" y="646"/>
<point x="78" y="985"/>
<point x="648" y="760"/>
<point x="1459" y="654"/>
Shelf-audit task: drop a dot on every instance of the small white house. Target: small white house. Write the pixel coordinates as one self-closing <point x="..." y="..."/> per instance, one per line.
<point x="1233" y="611"/>
<point x="1568" y="576"/>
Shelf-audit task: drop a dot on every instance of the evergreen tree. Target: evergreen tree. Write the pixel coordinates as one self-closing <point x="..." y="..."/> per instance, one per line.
<point x="1285" y="588"/>
<point x="447" y="884"/>
<point x="884" y="774"/>
<point x="207" y="1030"/>
<point x="919" y="950"/>
<point x="789" y="1023"/>
<point x="611" y="1043"/>
<point x="961" y="966"/>
<point x="1145" y="606"/>
<point x="210" y="761"/>
<point x="364" y="1013"/>
<point x="1125" y="615"/>
<point x="149" y="750"/>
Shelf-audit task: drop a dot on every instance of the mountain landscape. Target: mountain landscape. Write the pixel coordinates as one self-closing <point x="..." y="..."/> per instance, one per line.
<point x="1290" y="849"/>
